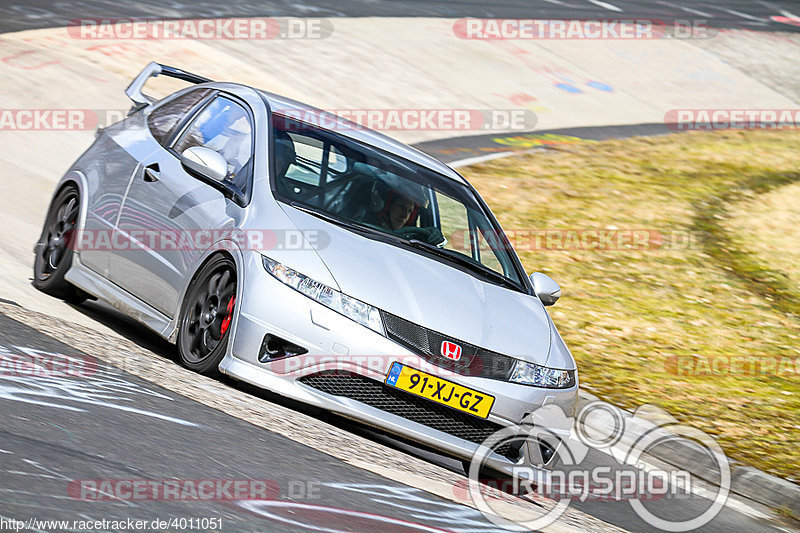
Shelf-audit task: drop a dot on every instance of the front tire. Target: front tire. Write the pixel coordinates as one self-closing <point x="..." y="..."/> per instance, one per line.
<point x="206" y="316"/>
<point x="54" y="250"/>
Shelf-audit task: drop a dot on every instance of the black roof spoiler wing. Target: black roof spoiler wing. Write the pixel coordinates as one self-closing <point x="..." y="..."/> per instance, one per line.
<point x="153" y="69"/>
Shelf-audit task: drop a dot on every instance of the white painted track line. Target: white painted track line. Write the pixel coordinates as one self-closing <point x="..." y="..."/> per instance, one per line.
<point x="744" y="15"/>
<point x="686" y="9"/>
<point x="606" y="5"/>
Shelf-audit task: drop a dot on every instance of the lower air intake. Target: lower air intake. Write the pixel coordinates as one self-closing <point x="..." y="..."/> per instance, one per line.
<point x="416" y="409"/>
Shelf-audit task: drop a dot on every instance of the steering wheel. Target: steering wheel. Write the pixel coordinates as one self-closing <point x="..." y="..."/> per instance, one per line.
<point x="429" y="235"/>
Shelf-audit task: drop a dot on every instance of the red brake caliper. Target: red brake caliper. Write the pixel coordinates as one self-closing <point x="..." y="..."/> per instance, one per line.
<point x="227" y="320"/>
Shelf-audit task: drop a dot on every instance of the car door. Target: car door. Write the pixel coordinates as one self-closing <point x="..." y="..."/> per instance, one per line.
<point x="170" y="215"/>
<point x="110" y="164"/>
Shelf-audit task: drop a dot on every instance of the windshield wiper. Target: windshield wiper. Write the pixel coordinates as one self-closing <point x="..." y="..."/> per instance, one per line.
<point x="463" y="260"/>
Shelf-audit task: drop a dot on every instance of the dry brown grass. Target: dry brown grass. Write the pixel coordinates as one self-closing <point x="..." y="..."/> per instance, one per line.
<point x="627" y="314"/>
<point x="769" y="226"/>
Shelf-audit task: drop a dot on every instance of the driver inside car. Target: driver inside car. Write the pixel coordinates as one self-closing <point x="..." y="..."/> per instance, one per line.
<point x="398" y="212"/>
<point x="399" y="215"/>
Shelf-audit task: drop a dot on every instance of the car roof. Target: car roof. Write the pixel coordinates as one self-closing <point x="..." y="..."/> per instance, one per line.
<point x="284" y="105"/>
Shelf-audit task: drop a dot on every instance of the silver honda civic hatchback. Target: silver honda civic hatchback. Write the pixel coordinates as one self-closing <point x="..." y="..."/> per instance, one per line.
<point x="307" y="255"/>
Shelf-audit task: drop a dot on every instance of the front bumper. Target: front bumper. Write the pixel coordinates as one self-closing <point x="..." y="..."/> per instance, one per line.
<point x="336" y="343"/>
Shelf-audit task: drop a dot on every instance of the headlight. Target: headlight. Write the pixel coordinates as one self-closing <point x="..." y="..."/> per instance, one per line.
<point x="355" y="310"/>
<point x="541" y="376"/>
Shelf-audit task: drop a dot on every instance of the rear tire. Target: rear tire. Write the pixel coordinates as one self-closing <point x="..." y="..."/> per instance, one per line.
<point x="54" y="250"/>
<point x="206" y="316"/>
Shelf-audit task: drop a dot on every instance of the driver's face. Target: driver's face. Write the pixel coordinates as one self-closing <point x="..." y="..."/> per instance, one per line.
<point x="400" y="212"/>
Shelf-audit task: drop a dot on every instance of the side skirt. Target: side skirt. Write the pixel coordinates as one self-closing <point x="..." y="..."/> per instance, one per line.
<point x="90" y="281"/>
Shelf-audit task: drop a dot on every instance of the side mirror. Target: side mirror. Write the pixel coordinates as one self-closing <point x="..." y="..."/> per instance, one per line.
<point x="206" y="162"/>
<point x="546" y="288"/>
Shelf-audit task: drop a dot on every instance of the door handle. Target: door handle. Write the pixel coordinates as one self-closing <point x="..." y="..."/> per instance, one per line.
<point x="152" y="173"/>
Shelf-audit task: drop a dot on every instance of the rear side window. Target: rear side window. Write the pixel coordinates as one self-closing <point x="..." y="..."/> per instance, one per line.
<point x="164" y="119"/>
<point x="308" y="164"/>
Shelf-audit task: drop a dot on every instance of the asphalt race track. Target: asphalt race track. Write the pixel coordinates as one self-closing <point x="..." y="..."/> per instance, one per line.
<point x="462" y="149"/>
<point x="56" y="432"/>
<point x="747" y="14"/>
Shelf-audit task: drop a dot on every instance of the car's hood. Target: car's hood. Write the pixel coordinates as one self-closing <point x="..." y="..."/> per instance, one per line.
<point x="435" y="295"/>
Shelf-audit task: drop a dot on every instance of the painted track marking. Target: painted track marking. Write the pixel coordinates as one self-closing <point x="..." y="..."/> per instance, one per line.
<point x="606" y="5"/>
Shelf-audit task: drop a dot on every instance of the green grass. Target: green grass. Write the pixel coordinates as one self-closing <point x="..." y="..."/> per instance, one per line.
<point x="628" y="313"/>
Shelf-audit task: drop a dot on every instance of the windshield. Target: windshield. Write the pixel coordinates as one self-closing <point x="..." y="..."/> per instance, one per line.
<point x="363" y="187"/>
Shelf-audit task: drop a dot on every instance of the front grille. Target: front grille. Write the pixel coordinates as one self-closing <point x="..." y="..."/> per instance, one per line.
<point x="414" y="408"/>
<point x="426" y="343"/>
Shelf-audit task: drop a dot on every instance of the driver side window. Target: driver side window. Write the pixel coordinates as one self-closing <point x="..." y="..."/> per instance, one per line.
<point x="225" y="127"/>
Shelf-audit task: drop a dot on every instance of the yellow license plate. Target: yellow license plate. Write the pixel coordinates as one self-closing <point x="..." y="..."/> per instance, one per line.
<point x="439" y="390"/>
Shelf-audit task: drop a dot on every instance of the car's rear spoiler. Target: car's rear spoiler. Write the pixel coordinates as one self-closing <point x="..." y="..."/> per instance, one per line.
<point x="153" y="69"/>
